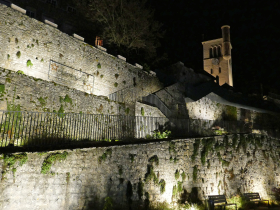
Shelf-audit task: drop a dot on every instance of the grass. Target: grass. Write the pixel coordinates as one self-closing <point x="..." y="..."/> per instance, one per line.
<point x="52" y="158"/>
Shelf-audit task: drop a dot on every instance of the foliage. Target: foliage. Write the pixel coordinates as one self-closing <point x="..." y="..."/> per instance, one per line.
<point x="127" y="25"/>
<point x="132" y="156"/>
<point x="20" y="72"/>
<point x="177" y="174"/>
<point x="162" y="186"/>
<point x="99" y="66"/>
<point x="29" y="63"/>
<point x="183" y="175"/>
<point x="231" y="113"/>
<point x="103" y="157"/>
<point x="2" y="89"/>
<point x="116" y="84"/>
<point x="18" y="54"/>
<point x="195" y="170"/>
<point x="52" y="158"/>
<point x="180" y="187"/>
<point x="42" y="101"/>
<point x="208" y="146"/>
<point x="224" y="162"/>
<point x="150" y="175"/>
<point x="108" y="205"/>
<point x="195" y="149"/>
<point x="172" y="147"/>
<point x="67" y="99"/>
<point x="142" y="111"/>
<point x="117" y="75"/>
<point x="127" y="110"/>
<point x="140" y="189"/>
<point x="161" y="135"/>
<point x="154" y="159"/>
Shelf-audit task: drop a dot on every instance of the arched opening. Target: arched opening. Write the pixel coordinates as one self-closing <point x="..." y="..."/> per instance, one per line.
<point x="215" y="52"/>
<point x="211" y="52"/>
<point x="219" y="51"/>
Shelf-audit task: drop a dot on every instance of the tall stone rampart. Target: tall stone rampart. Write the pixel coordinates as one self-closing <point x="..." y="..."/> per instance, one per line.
<point x="159" y="171"/>
<point x="44" y="52"/>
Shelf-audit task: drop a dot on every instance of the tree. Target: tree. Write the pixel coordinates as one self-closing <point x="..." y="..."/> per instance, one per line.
<point x="125" y="24"/>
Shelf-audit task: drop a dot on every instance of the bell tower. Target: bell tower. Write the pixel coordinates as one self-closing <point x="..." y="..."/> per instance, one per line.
<point x="217" y="57"/>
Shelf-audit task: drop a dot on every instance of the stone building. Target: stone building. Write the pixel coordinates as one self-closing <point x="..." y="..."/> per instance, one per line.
<point x="217" y="57"/>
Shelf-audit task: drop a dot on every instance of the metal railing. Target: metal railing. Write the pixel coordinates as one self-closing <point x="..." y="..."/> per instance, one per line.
<point x="19" y="128"/>
<point x="155" y="101"/>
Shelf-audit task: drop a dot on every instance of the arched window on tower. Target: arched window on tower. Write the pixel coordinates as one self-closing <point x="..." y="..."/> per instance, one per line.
<point x="220" y="70"/>
<point x="219" y="51"/>
<point x="215" y="52"/>
<point x="211" y="52"/>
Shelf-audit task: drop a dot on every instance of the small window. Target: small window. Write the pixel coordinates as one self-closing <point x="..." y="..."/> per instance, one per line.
<point x="71" y="10"/>
<point x="211" y="52"/>
<point x="219" y="51"/>
<point x="215" y="52"/>
<point x="211" y="71"/>
<point x="220" y="70"/>
<point x="30" y="13"/>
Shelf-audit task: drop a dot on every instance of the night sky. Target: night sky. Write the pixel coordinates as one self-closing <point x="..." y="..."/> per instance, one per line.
<point x="255" y="36"/>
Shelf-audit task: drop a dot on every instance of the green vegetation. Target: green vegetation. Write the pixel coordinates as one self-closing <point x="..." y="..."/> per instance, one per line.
<point x="61" y="111"/>
<point x="183" y="175"/>
<point x="177" y="174"/>
<point x="2" y="89"/>
<point x="195" y="149"/>
<point x="140" y="189"/>
<point x="108" y="205"/>
<point x="20" y="72"/>
<point x="162" y="186"/>
<point x="142" y="111"/>
<point x="18" y="54"/>
<point x="99" y="66"/>
<point x="126" y="110"/>
<point x="180" y="187"/>
<point x="52" y="158"/>
<point x="224" y="162"/>
<point x="195" y="170"/>
<point x="208" y="146"/>
<point x="42" y="60"/>
<point x="101" y="76"/>
<point x="172" y="147"/>
<point x="29" y="63"/>
<point x="161" y="135"/>
<point x="116" y="84"/>
<point x="8" y="56"/>
<point x="154" y="159"/>
<point x="131" y="157"/>
<point x="103" y="157"/>
<point x="10" y="160"/>
<point x="16" y="40"/>
<point x="43" y="101"/>
<point x="117" y="75"/>
<point x="150" y="175"/>
<point x="67" y="99"/>
<point x="231" y="113"/>
<point x="124" y="82"/>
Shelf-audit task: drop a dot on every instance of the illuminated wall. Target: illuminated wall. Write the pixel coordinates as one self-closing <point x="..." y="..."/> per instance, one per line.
<point x="86" y="176"/>
<point x="44" y="52"/>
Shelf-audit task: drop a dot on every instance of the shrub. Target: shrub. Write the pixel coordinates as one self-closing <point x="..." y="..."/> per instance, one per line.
<point x="18" y="54"/>
<point x="29" y="63"/>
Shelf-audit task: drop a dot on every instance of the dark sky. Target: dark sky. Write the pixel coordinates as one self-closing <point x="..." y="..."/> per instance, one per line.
<point x="255" y="36"/>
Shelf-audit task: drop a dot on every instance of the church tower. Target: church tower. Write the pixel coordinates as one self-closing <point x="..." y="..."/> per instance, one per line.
<point x="217" y="57"/>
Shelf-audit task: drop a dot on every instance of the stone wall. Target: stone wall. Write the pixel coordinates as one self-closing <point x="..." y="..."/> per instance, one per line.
<point x="84" y="177"/>
<point x="20" y="92"/>
<point x="147" y="110"/>
<point x="44" y="52"/>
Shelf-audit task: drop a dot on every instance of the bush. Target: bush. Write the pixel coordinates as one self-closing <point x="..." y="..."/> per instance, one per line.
<point x="161" y="135"/>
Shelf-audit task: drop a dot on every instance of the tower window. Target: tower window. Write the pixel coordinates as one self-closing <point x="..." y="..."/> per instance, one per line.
<point x="215" y="52"/>
<point x="219" y="51"/>
<point x="211" y="71"/>
<point x="220" y="70"/>
<point x="211" y="52"/>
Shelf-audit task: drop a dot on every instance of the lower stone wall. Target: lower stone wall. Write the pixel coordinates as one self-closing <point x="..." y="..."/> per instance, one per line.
<point x="132" y="174"/>
<point x="19" y="92"/>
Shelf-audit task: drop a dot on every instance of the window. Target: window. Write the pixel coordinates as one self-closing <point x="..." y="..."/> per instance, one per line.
<point x="52" y="2"/>
<point x="219" y="51"/>
<point x="211" y="52"/>
<point x="211" y="71"/>
<point x="30" y="13"/>
<point x="220" y="70"/>
<point x="71" y="10"/>
<point x="215" y="52"/>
